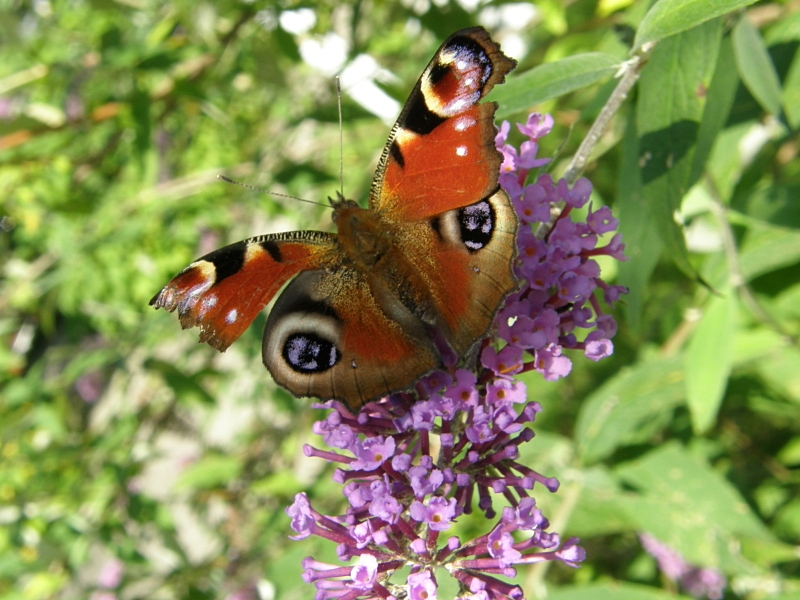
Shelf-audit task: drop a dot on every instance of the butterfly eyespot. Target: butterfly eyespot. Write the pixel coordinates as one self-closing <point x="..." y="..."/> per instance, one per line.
<point x="477" y="225"/>
<point x="309" y="353"/>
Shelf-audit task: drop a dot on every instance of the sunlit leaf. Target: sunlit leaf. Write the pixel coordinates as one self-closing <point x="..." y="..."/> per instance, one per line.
<point x="716" y="111"/>
<point x="552" y="80"/>
<point x="768" y="248"/>
<point x="614" y="414"/>
<point x="209" y="472"/>
<point x="637" y="226"/>
<point x="755" y="66"/>
<point x="676" y="492"/>
<point x="781" y="373"/>
<point x="670" y="17"/>
<point x="791" y="93"/>
<point x="669" y="111"/>
<point x="709" y="359"/>
<point x="615" y="591"/>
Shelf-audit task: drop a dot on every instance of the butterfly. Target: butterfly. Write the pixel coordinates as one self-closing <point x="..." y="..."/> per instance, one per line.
<point x="430" y="258"/>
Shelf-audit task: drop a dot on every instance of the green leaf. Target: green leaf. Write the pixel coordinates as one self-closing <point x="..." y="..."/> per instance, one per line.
<point x="282" y="484"/>
<point x="636" y="226"/>
<point x="768" y="552"/>
<point x="709" y="359"/>
<point x="789" y="456"/>
<point x="771" y="201"/>
<point x="597" y="510"/>
<point x="756" y="67"/>
<point x="611" y="591"/>
<point x="764" y="249"/>
<point x="614" y="415"/>
<point x="672" y="97"/>
<point x="669" y="17"/>
<point x="785" y="29"/>
<point x="781" y="372"/>
<point x="210" y="472"/>
<point x="186" y="387"/>
<point x="552" y="80"/>
<point x="721" y="94"/>
<point x="687" y="505"/>
<point x="791" y="93"/>
<point x="753" y="344"/>
<point x="768" y="248"/>
<point x="787" y="521"/>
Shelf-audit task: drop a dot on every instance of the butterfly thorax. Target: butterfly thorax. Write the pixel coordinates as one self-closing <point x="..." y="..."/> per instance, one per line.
<point x="362" y="234"/>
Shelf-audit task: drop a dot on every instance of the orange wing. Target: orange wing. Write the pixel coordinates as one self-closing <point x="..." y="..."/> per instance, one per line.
<point x="330" y="336"/>
<point x="441" y="153"/>
<point x="465" y="257"/>
<point x="437" y="186"/>
<point x="222" y="292"/>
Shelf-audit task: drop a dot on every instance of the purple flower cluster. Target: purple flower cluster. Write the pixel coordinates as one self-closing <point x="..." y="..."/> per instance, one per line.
<point x="558" y="270"/>
<point x="401" y="499"/>
<point x="698" y="581"/>
<point x="413" y="463"/>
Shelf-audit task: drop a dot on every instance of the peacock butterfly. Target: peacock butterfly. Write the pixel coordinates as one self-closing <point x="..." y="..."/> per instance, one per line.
<point x="431" y="256"/>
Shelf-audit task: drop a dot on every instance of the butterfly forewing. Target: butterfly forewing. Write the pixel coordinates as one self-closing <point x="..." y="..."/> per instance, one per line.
<point x="437" y="184"/>
<point x="441" y="153"/>
<point x="222" y="292"/>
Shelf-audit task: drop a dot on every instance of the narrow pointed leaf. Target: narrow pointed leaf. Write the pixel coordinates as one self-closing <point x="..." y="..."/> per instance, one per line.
<point x="627" y="404"/>
<point x="756" y="67"/>
<point x="672" y="98"/>
<point x="552" y="80"/>
<point x="670" y="17"/>
<point x="709" y="359"/>
<point x="643" y="246"/>
<point x="791" y="93"/>
<point x="721" y="94"/>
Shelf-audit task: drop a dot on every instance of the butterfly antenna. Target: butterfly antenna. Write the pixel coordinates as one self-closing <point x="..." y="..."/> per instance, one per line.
<point x="271" y="193"/>
<point x="341" y="142"/>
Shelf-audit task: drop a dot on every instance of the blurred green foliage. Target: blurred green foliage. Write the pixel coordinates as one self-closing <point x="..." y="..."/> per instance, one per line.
<point x="134" y="459"/>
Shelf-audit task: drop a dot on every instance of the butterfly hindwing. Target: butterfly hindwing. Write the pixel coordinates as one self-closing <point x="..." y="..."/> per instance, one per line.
<point x="477" y="245"/>
<point x="329" y="336"/>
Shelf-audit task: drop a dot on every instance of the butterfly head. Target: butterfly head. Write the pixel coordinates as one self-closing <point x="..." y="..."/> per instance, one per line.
<point x="340" y="202"/>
